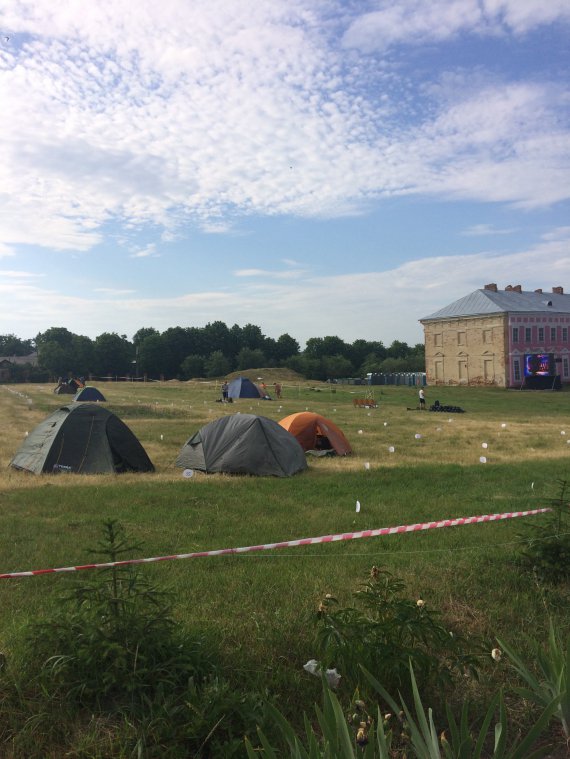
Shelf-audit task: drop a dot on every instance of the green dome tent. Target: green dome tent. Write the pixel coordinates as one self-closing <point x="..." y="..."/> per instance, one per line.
<point x="243" y="444"/>
<point x="84" y="439"/>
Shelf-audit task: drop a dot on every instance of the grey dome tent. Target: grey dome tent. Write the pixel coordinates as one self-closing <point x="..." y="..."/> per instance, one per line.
<point x="83" y="438"/>
<point x="89" y="393"/>
<point x="243" y="444"/>
<point x="242" y="387"/>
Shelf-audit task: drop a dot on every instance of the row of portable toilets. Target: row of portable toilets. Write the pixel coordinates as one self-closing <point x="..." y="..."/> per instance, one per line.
<point x="86" y="438"/>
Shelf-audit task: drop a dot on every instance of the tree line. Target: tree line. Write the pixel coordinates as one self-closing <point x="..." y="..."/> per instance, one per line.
<point x="211" y="351"/>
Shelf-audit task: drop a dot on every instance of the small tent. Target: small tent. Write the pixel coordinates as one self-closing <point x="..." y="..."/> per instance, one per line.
<point x="314" y="432"/>
<point x="243" y="444"/>
<point x="242" y="387"/>
<point x="83" y="438"/>
<point x="89" y="393"/>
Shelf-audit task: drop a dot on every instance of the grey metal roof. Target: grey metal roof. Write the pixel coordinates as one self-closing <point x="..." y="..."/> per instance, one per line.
<point x="483" y="302"/>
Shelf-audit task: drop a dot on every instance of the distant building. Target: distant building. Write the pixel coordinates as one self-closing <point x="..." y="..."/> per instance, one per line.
<point x="507" y="338"/>
<point x="9" y="364"/>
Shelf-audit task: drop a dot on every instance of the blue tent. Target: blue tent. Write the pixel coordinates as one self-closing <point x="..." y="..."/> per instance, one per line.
<point x="242" y="387"/>
<point x="89" y="394"/>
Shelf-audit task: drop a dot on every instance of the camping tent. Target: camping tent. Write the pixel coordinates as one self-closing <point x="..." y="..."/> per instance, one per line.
<point x="242" y="387"/>
<point x="89" y="394"/>
<point x="84" y="438"/>
<point x="314" y="432"/>
<point x="243" y="444"/>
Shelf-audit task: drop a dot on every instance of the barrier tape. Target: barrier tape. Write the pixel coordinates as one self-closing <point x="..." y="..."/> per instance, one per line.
<point x="383" y="531"/>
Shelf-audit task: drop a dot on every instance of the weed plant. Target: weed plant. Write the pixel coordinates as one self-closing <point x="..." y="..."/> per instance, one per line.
<point x="546" y="546"/>
<point x="386" y="631"/>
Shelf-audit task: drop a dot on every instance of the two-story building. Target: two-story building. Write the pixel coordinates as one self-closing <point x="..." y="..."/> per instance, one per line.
<point x="509" y="338"/>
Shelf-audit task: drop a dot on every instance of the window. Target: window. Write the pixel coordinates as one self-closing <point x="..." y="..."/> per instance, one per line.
<point x="517" y="370"/>
<point x="437" y="339"/>
<point x="564" y="334"/>
<point x="488" y="336"/>
<point x="527" y="334"/>
<point x="515" y="334"/>
<point x="565" y="371"/>
<point x="541" y="334"/>
<point x="461" y="338"/>
<point x="553" y="334"/>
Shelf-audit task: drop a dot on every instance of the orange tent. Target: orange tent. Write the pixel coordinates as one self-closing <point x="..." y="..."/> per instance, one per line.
<point x="314" y="432"/>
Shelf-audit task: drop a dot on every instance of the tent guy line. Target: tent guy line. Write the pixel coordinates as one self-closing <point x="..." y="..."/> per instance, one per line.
<point x="381" y="532"/>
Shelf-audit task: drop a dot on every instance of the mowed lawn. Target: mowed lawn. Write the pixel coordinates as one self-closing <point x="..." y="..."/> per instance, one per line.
<point x="261" y="606"/>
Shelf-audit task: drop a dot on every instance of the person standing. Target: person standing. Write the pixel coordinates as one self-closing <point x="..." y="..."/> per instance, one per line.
<point x="224" y="392"/>
<point x="422" y="399"/>
<point x="277" y="387"/>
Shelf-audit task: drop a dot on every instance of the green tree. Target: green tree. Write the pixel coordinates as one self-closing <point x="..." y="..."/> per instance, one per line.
<point x="250" y="358"/>
<point x="193" y="366"/>
<point x="60" y="335"/>
<point x="153" y="357"/>
<point x="286" y="346"/>
<point x="82" y="358"/>
<point x="55" y="358"/>
<point x="113" y="354"/>
<point x="142" y="334"/>
<point x="216" y="365"/>
<point x="10" y="345"/>
<point x="337" y="366"/>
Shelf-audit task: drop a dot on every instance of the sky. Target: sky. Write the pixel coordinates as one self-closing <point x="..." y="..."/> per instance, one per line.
<point x="313" y="167"/>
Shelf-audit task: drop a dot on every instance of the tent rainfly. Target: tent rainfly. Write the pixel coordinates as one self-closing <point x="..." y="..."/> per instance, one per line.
<point x="242" y="387"/>
<point x="83" y="438"/>
<point x="243" y="444"/>
<point x="315" y="433"/>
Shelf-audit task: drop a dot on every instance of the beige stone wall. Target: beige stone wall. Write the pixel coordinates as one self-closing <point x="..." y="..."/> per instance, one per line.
<point x="470" y="351"/>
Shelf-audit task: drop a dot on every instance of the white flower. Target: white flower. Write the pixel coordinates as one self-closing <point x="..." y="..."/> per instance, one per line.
<point x="333" y="678"/>
<point x="420" y="602"/>
<point x="312" y="667"/>
<point x="496" y="654"/>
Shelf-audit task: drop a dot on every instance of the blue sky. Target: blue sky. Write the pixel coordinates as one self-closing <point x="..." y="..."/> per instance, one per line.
<point x="309" y="166"/>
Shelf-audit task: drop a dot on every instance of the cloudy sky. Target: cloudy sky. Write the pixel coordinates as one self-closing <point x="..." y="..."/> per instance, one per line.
<point x="315" y="167"/>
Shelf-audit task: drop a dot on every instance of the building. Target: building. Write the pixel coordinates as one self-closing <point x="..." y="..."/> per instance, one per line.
<point x="508" y="338"/>
<point x="12" y="367"/>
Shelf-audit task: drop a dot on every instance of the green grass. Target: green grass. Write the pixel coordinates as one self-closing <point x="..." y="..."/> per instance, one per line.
<point x="261" y="606"/>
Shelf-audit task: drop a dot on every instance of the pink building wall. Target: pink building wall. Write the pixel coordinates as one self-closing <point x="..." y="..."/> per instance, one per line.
<point x="542" y="333"/>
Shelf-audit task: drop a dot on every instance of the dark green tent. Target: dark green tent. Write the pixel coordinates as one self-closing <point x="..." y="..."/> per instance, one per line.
<point x="83" y="438"/>
<point x="243" y="444"/>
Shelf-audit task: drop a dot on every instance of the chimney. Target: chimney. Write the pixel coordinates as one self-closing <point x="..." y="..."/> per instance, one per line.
<point x="539" y="290"/>
<point x="492" y="287"/>
<point x="558" y="290"/>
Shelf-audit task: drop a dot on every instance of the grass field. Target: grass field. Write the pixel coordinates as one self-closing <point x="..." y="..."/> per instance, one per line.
<point x="261" y="606"/>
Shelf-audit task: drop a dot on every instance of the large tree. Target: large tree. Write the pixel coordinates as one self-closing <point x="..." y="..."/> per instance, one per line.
<point x="114" y="355"/>
<point x="10" y="345"/>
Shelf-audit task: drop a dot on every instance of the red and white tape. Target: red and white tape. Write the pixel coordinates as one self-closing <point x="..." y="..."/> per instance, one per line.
<point x="383" y="531"/>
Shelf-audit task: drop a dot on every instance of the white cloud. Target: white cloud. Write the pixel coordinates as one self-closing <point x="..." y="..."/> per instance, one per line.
<point x="287" y="274"/>
<point x="481" y="230"/>
<point x="148" y="252"/>
<point x="199" y="113"/>
<point x="412" y="22"/>
<point x="112" y="291"/>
